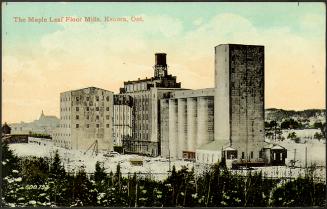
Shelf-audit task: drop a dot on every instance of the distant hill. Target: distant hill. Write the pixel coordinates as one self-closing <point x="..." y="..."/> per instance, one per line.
<point x="280" y="114"/>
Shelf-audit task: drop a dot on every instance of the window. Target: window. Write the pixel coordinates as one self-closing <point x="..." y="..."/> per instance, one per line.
<point x="242" y="155"/>
<point x="107" y="117"/>
<point x="107" y="108"/>
<point x="97" y="108"/>
<point x="77" y="125"/>
<point x="98" y="125"/>
<point x="107" y="98"/>
<point x="77" y="108"/>
<point x="77" y="99"/>
<point x="87" y="125"/>
<point x="97" y="98"/>
<point x="87" y="109"/>
<point x="97" y="117"/>
<point x="77" y="117"/>
<point x="251" y="154"/>
<point x="107" y="125"/>
<point x="87" y="98"/>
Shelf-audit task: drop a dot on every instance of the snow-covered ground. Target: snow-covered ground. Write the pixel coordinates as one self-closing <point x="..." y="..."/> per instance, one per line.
<point x="280" y="172"/>
<point x="158" y="167"/>
<point x="316" y="152"/>
<point x="74" y="159"/>
<point x="305" y="134"/>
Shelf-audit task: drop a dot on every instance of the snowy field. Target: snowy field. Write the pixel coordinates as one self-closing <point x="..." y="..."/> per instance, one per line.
<point x="158" y="167"/>
<point x="74" y="159"/>
<point x="316" y="152"/>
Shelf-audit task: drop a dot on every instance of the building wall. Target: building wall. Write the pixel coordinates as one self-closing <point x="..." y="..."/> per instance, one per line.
<point x="208" y="156"/>
<point x="86" y="117"/>
<point x="63" y="132"/>
<point x="123" y="116"/>
<point x="164" y="127"/>
<point x="182" y="126"/>
<point x="123" y="119"/>
<point x="240" y="96"/>
<point x="146" y="123"/>
<point x="222" y="103"/>
<point x="191" y="123"/>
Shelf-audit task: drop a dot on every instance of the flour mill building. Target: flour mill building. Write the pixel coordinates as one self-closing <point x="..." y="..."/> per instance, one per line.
<point x="146" y="94"/>
<point x="86" y="119"/>
<point x="156" y="117"/>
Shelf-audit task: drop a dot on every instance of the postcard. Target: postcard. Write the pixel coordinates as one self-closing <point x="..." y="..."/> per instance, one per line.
<point x="163" y="104"/>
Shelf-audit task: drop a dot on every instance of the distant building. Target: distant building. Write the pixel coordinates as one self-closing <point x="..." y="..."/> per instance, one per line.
<point x="46" y="124"/>
<point x="123" y="119"/>
<point x="146" y="94"/>
<point x="187" y="122"/>
<point x="86" y="119"/>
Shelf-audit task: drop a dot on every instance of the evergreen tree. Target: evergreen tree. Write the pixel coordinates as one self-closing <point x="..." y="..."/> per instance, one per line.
<point x="56" y="168"/>
<point x="84" y="193"/>
<point x="58" y="182"/>
<point x="99" y="174"/>
<point x="9" y="160"/>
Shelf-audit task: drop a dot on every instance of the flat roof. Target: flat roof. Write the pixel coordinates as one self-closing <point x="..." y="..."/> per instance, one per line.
<point x="91" y="87"/>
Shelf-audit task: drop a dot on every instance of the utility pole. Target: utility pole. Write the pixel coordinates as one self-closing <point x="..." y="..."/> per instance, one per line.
<point x="136" y="193"/>
<point x="306" y="159"/>
<point x="294" y="155"/>
<point x="169" y="156"/>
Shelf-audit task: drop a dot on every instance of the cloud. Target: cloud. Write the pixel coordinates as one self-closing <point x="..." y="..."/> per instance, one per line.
<point x="105" y="55"/>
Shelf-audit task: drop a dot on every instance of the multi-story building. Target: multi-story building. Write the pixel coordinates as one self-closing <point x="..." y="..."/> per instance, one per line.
<point x="86" y="119"/>
<point x="123" y="119"/>
<point x="187" y="122"/>
<point x="146" y="94"/>
<point x="239" y="100"/>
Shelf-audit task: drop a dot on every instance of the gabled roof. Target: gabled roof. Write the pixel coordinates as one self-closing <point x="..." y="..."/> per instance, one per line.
<point x="214" y="146"/>
<point x="229" y="149"/>
<point x="273" y="146"/>
<point x="277" y="147"/>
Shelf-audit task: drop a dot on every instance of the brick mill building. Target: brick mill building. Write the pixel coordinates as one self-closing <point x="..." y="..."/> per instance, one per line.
<point x="86" y="119"/>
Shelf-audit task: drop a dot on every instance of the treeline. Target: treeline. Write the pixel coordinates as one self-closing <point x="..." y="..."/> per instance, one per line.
<point x="280" y="114"/>
<point x="44" y="182"/>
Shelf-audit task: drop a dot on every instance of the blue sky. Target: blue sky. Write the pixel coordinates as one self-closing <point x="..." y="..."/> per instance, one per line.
<point x="42" y="60"/>
<point x="261" y="15"/>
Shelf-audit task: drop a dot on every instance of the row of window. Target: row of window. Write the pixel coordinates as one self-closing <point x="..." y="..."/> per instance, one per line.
<point x="62" y="141"/>
<point x="97" y="117"/>
<point x="96" y="98"/>
<point x="61" y="134"/>
<point x="65" y="109"/>
<point x="120" y="117"/>
<point x="64" y="126"/>
<point x="96" y="125"/>
<point x="64" y="99"/>
<point x="65" y="117"/>
<point x="207" y="158"/>
<point x="96" y="108"/>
